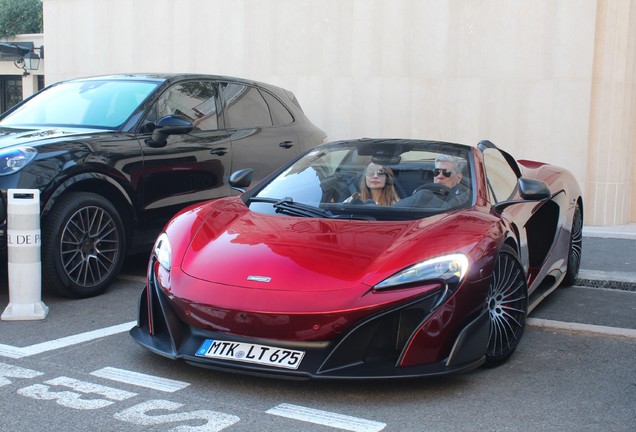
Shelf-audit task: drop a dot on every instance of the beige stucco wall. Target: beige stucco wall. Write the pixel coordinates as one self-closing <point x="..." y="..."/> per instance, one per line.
<point x="612" y="143"/>
<point x="530" y="75"/>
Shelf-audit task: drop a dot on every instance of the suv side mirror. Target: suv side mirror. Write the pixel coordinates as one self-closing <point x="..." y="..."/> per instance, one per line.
<point x="169" y="125"/>
<point x="241" y="179"/>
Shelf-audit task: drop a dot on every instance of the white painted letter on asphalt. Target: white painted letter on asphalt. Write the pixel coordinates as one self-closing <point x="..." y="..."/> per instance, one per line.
<point x="216" y="421"/>
<point x="72" y="399"/>
<point x="9" y="371"/>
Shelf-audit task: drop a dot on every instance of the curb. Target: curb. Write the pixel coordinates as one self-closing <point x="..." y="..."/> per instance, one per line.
<point x="619" y="232"/>
<point x="594" y="330"/>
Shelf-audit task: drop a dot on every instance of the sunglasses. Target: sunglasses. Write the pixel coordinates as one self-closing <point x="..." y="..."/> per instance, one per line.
<point x="373" y="173"/>
<point x="437" y="171"/>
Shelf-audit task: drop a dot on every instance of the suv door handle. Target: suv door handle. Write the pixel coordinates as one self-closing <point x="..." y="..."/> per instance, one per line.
<point x="220" y="151"/>
<point x="286" y="144"/>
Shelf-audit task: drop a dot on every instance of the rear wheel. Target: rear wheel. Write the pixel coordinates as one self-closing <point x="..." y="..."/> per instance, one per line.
<point x="507" y="304"/>
<point x="576" y="248"/>
<point x="83" y="245"/>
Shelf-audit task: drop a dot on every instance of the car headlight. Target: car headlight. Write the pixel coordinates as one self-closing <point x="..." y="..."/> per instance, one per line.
<point x="449" y="268"/>
<point x="14" y="159"/>
<point x="162" y="251"/>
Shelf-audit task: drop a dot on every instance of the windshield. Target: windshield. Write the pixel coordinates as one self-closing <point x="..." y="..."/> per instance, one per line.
<point x="371" y="179"/>
<point x="95" y="103"/>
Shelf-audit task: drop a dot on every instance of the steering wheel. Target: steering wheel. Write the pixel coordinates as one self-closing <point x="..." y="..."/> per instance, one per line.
<point x="443" y="191"/>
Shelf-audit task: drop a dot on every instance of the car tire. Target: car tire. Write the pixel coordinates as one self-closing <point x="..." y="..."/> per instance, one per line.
<point x="507" y="304"/>
<point x="576" y="249"/>
<point x="83" y="245"/>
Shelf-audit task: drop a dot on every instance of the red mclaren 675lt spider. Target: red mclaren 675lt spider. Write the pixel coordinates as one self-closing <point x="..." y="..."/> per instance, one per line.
<point x="370" y="258"/>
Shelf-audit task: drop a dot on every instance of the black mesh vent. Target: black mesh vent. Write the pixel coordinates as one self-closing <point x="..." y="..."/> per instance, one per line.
<point x="382" y="338"/>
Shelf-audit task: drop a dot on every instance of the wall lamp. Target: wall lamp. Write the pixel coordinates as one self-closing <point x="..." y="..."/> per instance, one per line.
<point x="30" y="60"/>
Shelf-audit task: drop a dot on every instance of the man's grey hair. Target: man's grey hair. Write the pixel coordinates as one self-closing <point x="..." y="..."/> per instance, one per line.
<point x="459" y="163"/>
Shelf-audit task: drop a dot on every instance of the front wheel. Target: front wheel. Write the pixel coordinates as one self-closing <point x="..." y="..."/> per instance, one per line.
<point x="83" y="245"/>
<point x="507" y="304"/>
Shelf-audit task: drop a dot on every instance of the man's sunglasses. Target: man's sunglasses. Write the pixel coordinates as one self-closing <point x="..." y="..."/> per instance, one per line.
<point x="437" y="171"/>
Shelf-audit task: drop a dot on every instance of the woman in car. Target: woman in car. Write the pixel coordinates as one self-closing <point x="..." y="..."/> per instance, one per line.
<point x="377" y="185"/>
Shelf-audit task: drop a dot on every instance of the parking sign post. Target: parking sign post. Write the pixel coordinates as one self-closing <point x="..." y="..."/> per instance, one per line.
<point x="24" y="262"/>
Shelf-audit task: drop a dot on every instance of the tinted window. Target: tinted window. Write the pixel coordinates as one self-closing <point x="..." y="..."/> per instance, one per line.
<point x="245" y="107"/>
<point x="280" y="114"/>
<point x="93" y="103"/>
<point x="196" y="100"/>
<point x="502" y="180"/>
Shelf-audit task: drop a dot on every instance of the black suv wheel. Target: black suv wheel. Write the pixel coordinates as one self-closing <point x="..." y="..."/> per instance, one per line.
<point x="83" y="245"/>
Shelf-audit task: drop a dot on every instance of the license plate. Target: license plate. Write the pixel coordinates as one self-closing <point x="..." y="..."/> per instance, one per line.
<point x="251" y="353"/>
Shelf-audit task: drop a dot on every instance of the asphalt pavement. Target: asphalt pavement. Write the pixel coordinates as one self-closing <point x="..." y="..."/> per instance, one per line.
<point x="609" y="253"/>
<point x="603" y="300"/>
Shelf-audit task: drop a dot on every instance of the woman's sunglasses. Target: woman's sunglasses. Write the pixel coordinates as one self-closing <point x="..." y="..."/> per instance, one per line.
<point x="372" y="173"/>
<point x="437" y="171"/>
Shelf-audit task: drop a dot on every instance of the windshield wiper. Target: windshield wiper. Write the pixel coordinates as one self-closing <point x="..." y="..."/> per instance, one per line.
<point x="289" y="207"/>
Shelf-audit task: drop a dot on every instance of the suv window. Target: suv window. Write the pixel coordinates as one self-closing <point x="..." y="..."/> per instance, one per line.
<point x="245" y="107"/>
<point x="196" y="100"/>
<point x="280" y="114"/>
<point x="501" y="178"/>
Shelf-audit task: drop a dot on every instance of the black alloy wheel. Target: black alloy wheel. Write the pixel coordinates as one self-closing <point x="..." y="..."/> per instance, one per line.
<point x="507" y="304"/>
<point x="83" y="245"/>
<point x="576" y="249"/>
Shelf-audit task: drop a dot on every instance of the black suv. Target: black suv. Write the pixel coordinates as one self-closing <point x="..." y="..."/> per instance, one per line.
<point x="114" y="157"/>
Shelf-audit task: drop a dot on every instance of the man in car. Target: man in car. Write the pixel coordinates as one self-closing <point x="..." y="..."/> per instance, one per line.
<point x="447" y="190"/>
<point x="448" y="172"/>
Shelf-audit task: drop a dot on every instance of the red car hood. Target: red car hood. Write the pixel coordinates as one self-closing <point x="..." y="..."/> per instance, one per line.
<point x="284" y="253"/>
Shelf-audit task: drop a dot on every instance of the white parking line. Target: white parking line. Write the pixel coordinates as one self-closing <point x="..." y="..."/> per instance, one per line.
<point x="326" y="418"/>
<point x="17" y="352"/>
<point x="139" y="379"/>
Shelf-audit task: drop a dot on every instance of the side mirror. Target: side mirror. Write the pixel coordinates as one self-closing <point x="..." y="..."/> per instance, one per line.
<point x="169" y="125"/>
<point x="530" y="190"/>
<point x="241" y="179"/>
<point x="533" y="190"/>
